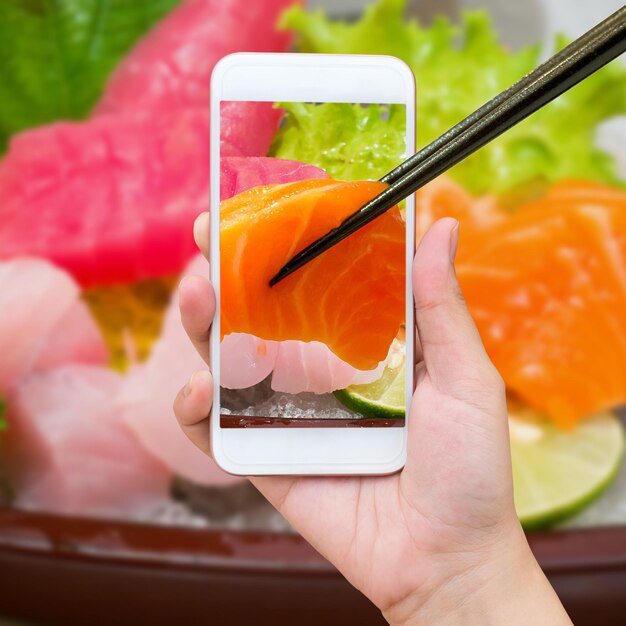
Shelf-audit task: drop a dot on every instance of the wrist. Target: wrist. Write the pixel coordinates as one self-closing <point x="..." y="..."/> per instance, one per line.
<point x="501" y="584"/>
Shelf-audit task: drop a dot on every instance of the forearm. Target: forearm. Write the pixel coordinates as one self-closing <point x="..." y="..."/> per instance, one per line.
<point x="511" y="590"/>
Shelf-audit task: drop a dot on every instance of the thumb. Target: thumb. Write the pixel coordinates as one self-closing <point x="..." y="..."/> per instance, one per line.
<point x="454" y="355"/>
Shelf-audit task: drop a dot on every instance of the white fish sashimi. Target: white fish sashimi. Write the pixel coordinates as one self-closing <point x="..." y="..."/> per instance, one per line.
<point x="145" y="399"/>
<point x="73" y="454"/>
<point x="313" y="367"/>
<point x="76" y="338"/>
<point x="42" y="321"/>
<point x="296" y="366"/>
<point x="245" y="360"/>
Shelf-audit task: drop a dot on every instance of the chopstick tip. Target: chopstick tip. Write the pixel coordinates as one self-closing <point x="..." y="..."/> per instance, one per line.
<point x="278" y="277"/>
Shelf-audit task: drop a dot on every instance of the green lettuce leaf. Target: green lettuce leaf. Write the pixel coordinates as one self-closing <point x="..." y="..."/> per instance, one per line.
<point x="457" y="69"/>
<point x="55" y="55"/>
<point x="351" y="142"/>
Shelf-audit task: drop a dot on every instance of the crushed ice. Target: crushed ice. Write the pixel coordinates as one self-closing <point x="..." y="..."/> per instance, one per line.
<point x="262" y="401"/>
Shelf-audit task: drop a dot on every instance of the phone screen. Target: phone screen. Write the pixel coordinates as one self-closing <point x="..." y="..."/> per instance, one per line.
<point x="325" y="347"/>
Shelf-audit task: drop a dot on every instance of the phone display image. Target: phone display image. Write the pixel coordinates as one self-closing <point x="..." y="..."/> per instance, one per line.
<point x="325" y="346"/>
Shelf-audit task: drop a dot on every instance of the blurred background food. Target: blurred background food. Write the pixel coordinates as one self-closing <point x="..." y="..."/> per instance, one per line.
<point x="103" y="136"/>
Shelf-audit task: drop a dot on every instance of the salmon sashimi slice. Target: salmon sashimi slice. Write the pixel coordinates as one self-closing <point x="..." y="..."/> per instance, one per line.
<point x="445" y="198"/>
<point x="351" y="298"/>
<point x="546" y="289"/>
<point x="586" y="196"/>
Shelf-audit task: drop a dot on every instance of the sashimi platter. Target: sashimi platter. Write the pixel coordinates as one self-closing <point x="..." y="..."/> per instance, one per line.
<point x="104" y="168"/>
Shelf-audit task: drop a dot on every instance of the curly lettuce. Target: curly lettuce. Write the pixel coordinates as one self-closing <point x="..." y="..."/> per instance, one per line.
<point x="349" y="141"/>
<point x="457" y="69"/>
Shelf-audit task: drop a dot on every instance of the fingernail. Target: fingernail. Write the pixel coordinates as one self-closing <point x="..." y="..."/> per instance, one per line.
<point x="454" y="241"/>
<point x="188" y="388"/>
<point x="193" y="381"/>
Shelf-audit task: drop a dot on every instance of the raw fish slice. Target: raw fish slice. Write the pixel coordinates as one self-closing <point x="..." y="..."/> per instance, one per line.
<point x="170" y="68"/>
<point x="39" y="300"/>
<point x="295" y="366"/>
<point x="75" y="339"/>
<point x="145" y="399"/>
<point x="240" y="174"/>
<point x="583" y="195"/>
<point x="247" y="128"/>
<point x="74" y="454"/>
<point x="313" y="367"/>
<point x="115" y="198"/>
<point x="246" y="360"/>
<point x="601" y="210"/>
<point x="543" y="290"/>
<point x="336" y="299"/>
<point x="609" y="287"/>
<point x="445" y="198"/>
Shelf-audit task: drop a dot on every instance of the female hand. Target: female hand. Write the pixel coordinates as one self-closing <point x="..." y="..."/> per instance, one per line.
<point x="438" y="542"/>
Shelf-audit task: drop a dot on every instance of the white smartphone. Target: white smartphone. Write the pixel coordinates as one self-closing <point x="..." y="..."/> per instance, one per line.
<point x="299" y="368"/>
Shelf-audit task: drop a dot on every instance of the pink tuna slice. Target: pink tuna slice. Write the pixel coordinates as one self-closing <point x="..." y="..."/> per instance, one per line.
<point x="73" y="454"/>
<point x="42" y="321"/>
<point x="247" y="128"/>
<point x="170" y="68"/>
<point x="237" y="174"/>
<point x="115" y="198"/>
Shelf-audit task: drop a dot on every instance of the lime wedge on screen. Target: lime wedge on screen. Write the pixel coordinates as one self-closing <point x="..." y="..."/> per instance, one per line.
<point x="384" y="398"/>
<point x="557" y="473"/>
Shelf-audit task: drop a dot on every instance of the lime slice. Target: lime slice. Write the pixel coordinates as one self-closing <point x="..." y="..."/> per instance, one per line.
<point x="384" y="398"/>
<point x="557" y="473"/>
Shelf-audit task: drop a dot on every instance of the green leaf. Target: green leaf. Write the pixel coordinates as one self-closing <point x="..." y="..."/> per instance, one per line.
<point x="3" y="409"/>
<point x="55" y="55"/>
<point x="457" y="69"/>
<point x="349" y="141"/>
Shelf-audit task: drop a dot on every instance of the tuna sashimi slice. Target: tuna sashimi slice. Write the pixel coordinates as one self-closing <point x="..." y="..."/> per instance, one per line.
<point x="170" y="68"/>
<point x="42" y="321"/>
<point x="351" y="298"/>
<point x="73" y="454"/>
<point x="240" y="174"/>
<point x="146" y="396"/>
<point x="115" y="198"/>
<point x="247" y="128"/>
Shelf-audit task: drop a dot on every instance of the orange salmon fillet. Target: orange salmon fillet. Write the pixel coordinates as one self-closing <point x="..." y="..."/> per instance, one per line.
<point x="547" y="289"/>
<point x="352" y="297"/>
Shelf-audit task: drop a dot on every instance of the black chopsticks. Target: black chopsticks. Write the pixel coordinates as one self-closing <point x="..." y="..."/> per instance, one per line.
<point x="585" y="55"/>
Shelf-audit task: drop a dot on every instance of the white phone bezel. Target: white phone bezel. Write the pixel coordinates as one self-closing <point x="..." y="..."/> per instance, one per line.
<point x="267" y="77"/>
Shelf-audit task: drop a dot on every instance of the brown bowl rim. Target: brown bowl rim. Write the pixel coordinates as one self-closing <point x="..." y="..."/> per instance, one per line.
<point x="174" y="547"/>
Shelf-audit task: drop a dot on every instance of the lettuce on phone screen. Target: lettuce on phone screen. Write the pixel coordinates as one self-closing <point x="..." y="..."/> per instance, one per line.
<point x="338" y="322"/>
